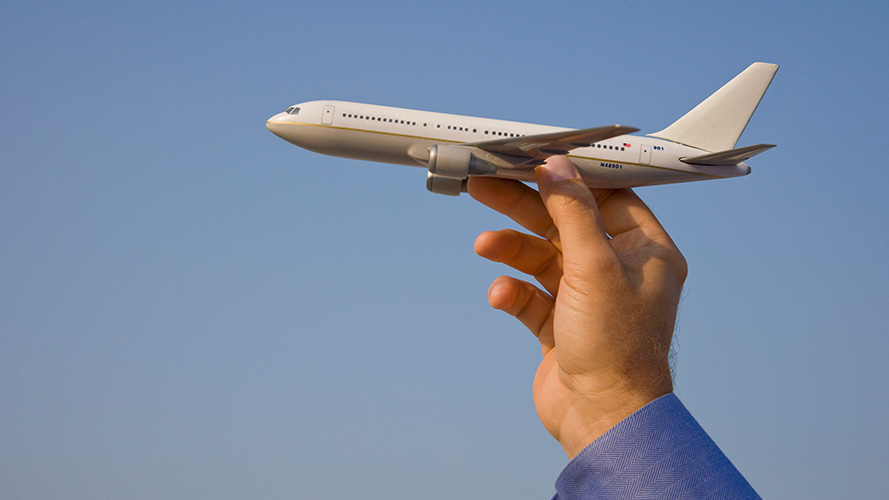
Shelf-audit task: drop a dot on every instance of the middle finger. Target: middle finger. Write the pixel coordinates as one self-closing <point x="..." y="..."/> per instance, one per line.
<point x="525" y="253"/>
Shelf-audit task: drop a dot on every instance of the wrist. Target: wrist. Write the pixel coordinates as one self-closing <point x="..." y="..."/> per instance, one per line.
<point x="586" y="421"/>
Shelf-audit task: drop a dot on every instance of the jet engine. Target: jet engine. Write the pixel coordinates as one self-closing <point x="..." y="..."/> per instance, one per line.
<point x="450" y="167"/>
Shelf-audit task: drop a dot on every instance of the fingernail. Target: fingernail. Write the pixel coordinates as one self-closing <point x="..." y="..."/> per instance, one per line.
<point x="559" y="168"/>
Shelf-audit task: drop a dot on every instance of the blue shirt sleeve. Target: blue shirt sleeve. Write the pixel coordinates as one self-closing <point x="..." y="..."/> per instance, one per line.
<point x="660" y="451"/>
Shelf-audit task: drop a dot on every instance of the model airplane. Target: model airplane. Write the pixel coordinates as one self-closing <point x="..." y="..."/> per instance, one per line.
<point x="698" y="146"/>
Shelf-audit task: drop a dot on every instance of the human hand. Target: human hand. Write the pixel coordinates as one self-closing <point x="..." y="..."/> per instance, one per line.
<point x="606" y="313"/>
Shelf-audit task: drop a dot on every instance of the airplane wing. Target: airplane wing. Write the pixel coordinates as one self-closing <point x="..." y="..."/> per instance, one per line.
<point x="533" y="149"/>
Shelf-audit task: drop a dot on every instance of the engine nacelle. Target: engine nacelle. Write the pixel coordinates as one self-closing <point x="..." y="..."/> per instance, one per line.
<point x="445" y="185"/>
<point x="450" y="166"/>
<point x="445" y="161"/>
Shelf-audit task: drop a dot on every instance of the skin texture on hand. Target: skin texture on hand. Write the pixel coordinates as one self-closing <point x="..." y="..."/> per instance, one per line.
<point x="610" y="282"/>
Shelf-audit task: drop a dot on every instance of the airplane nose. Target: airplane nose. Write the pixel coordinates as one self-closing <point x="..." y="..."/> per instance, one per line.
<point x="275" y="126"/>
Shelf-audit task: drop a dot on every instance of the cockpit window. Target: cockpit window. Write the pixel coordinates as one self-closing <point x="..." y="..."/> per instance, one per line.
<point x="292" y="110"/>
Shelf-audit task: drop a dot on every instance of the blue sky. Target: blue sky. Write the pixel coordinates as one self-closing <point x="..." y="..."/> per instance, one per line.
<point x="192" y="308"/>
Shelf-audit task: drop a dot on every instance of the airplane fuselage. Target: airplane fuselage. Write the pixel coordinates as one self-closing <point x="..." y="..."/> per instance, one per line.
<point x="404" y="136"/>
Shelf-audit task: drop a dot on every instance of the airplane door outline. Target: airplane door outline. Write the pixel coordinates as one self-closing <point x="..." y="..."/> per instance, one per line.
<point x="645" y="154"/>
<point x="327" y="115"/>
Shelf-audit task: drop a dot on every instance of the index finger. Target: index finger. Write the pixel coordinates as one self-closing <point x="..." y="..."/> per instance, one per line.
<point x="516" y="201"/>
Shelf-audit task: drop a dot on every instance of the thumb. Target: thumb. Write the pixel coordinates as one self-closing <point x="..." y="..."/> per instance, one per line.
<point x="574" y="211"/>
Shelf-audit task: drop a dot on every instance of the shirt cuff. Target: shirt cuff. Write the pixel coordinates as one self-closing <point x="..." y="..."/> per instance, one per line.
<point x="660" y="451"/>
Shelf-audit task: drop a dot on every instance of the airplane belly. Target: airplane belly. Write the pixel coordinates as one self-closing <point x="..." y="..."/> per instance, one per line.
<point x="362" y="145"/>
<point x="617" y="175"/>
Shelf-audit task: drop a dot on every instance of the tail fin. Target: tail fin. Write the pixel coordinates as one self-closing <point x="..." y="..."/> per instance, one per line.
<point x="717" y="123"/>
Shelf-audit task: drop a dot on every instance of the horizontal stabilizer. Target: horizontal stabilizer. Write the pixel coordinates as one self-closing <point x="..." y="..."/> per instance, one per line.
<point x="728" y="158"/>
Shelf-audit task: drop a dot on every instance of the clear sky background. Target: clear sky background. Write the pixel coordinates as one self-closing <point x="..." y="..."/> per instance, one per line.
<point x="191" y="307"/>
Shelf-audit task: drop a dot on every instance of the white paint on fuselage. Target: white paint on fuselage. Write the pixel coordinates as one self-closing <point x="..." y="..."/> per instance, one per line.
<point x="403" y="136"/>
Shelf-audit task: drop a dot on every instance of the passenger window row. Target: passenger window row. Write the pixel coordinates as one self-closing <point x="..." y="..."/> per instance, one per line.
<point x="449" y="127"/>
<point x="377" y="119"/>
<point x="607" y="146"/>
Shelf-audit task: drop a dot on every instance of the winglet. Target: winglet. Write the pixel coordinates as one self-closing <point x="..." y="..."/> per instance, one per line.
<point x="717" y="123"/>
